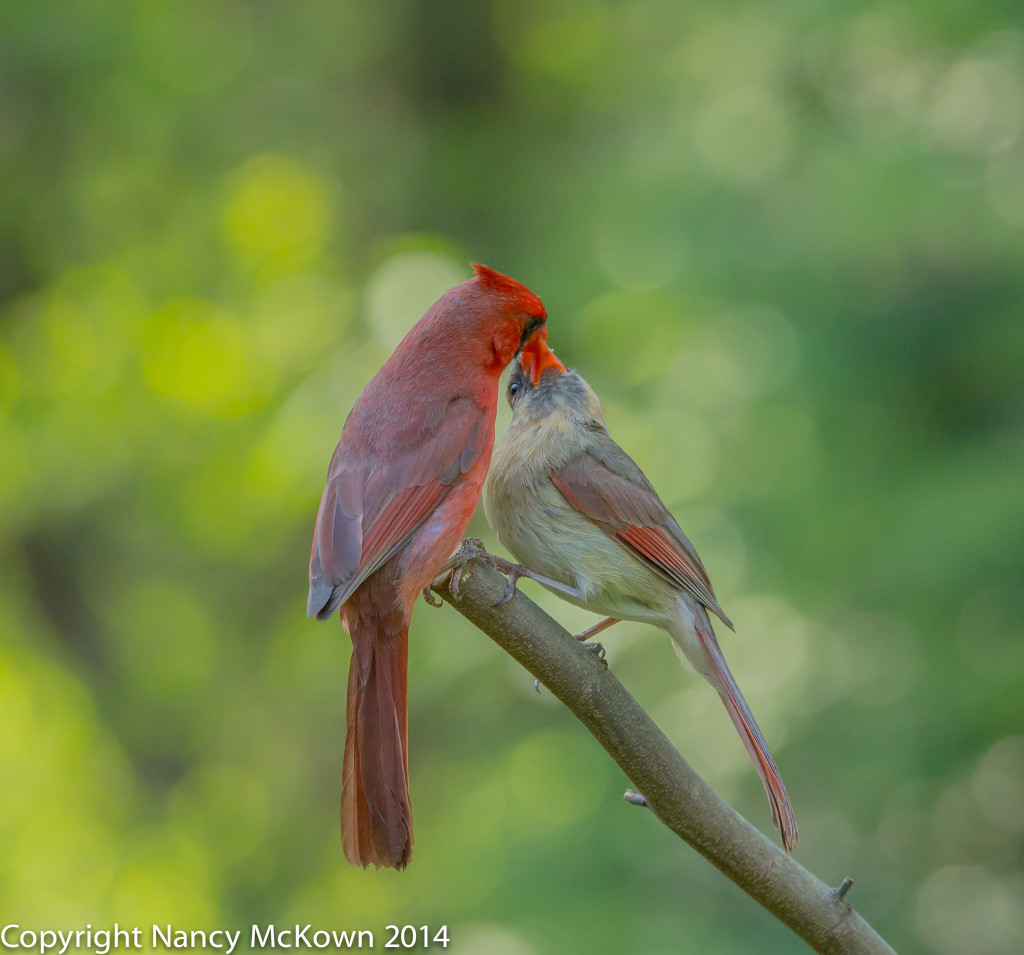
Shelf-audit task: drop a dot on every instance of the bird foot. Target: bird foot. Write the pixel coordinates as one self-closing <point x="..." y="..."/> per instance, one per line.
<point x="470" y="549"/>
<point x="430" y="598"/>
<point x="513" y="572"/>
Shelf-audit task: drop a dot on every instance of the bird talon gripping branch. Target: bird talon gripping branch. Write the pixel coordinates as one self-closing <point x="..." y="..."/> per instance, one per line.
<point x="472" y="548"/>
<point x="455" y="581"/>
<point x="510" y="587"/>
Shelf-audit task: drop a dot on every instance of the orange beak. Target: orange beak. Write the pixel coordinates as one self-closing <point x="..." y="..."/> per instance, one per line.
<point x="537" y="358"/>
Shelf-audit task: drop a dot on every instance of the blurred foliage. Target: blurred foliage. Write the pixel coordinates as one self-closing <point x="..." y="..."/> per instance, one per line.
<point x="783" y="242"/>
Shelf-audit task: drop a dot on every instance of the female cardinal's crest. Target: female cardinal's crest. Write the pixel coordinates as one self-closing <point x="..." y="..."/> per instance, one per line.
<point x="512" y="289"/>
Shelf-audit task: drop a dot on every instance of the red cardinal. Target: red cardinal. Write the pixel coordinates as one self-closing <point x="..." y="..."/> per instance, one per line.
<point x="401" y="488"/>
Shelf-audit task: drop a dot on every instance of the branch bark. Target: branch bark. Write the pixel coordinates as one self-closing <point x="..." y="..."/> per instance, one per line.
<point x="819" y="914"/>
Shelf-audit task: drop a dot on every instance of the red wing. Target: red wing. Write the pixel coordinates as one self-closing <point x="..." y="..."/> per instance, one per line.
<point x="657" y="547"/>
<point x="369" y="512"/>
<point x="614" y="493"/>
<point x="400" y="516"/>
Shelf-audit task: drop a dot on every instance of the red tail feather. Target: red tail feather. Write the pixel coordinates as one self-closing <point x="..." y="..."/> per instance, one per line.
<point x="376" y="814"/>
<point x="743" y="719"/>
<point x="775" y="789"/>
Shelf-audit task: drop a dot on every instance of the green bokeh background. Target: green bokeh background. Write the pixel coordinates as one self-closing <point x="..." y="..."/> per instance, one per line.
<point x="785" y="243"/>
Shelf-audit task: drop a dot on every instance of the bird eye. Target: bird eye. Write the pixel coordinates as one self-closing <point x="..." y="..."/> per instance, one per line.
<point x="513" y="388"/>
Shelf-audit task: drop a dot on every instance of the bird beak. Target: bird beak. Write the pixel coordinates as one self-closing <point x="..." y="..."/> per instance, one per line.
<point x="537" y="358"/>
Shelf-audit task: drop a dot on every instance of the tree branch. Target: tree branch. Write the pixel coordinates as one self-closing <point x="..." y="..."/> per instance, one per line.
<point x="819" y="914"/>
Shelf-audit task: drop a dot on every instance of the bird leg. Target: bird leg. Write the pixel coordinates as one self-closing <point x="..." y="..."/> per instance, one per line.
<point x="593" y="631"/>
<point x="515" y="571"/>
<point x="472" y="548"/>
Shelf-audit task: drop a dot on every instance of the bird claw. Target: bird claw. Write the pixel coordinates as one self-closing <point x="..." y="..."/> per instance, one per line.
<point x="454" y="580"/>
<point x="536" y="684"/>
<point x="428" y="596"/>
<point x="470" y="549"/>
<point x="514" y="573"/>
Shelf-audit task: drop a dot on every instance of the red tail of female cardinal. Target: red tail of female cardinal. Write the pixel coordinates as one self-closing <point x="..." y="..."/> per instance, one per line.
<point x="401" y="488"/>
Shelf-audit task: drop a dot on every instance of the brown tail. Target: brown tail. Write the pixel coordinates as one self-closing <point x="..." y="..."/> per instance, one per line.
<point x="376" y="814"/>
<point x="750" y="732"/>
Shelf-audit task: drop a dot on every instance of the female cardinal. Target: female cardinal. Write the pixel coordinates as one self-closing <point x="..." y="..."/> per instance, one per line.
<point x="571" y="505"/>
<point x="401" y="488"/>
